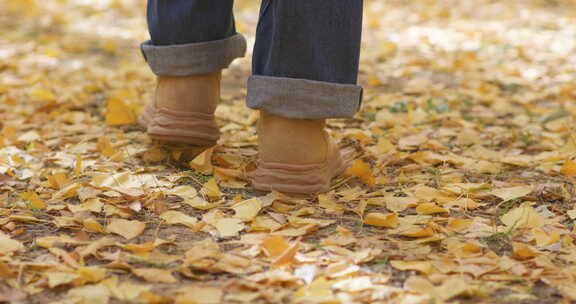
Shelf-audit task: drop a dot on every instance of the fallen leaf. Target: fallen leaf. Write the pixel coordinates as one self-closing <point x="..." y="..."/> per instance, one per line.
<point x="211" y="189"/>
<point x="60" y="278"/>
<point x="319" y="291"/>
<point x="451" y="288"/>
<point x="354" y="284"/>
<point x="248" y="209"/>
<point x="92" y="225"/>
<point x="424" y="267"/>
<point x="203" y="162"/>
<point x="274" y="246"/>
<point x="522" y="217"/>
<point x="118" y="113"/>
<point x="9" y="246"/>
<point x="430" y="208"/>
<point x="361" y="170"/>
<point x="511" y="193"/>
<point x="229" y="227"/>
<point x="569" y="168"/>
<point x="154" y="275"/>
<point x="90" y="294"/>
<point x="199" y="295"/>
<point x="389" y="220"/>
<point x="175" y="217"/>
<point x="286" y="258"/>
<point x="127" y="229"/>
<point x="523" y="251"/>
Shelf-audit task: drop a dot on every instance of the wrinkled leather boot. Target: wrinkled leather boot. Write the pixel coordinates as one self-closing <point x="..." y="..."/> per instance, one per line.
<point x="296" y="156"/>
<point x="183" y="110"/>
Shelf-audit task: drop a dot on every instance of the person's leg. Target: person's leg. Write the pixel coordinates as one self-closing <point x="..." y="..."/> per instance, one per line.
<point x="191" y="42"/>
<point x="305" y="70"/>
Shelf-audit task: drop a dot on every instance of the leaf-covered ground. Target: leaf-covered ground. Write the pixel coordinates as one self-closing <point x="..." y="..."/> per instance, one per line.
<point x="463" y="191"/>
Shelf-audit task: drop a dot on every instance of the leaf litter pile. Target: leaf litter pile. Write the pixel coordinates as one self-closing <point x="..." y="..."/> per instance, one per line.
<point x="462" y="191"/>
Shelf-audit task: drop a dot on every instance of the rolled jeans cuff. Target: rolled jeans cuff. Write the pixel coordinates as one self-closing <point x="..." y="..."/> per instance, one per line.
<point x="302" y="98"/>
<point x="193" y="58"/>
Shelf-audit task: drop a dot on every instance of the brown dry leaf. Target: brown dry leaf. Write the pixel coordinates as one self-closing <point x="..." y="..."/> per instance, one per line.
<point x="389" y="220"/>
<point x="127" y="229"/>
<point x="154" y="275"/>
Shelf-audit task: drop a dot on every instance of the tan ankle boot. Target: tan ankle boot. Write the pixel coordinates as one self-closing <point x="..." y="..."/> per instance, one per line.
<point x="296" y="155"/>
<point x="183" y="110"/>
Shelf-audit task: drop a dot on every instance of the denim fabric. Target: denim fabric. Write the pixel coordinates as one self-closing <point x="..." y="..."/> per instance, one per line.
<point x="309" y="39"/>
<point x="188" y="21"/>
<point x="306" y="56"/>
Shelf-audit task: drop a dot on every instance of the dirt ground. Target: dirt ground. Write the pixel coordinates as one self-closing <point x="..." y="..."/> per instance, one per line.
<point x="462" y="191"/>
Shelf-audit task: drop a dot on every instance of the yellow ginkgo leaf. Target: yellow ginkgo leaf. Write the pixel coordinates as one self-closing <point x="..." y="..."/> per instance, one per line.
<point x="211" y="189"/>
<point x="430" y="208"/>
<point x="422" y="266"/>
<point x="127" y="229"/>
<point x="361" y="170"/>
<point x="118" y="113"/>
<point x="389" y="220"/>
<point x="248" y="209"/>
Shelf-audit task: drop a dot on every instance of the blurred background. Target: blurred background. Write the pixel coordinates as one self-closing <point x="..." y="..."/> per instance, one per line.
<point x="456" y="91"/>
<point x="73" y="47"/>
<point x="477" y="59"/>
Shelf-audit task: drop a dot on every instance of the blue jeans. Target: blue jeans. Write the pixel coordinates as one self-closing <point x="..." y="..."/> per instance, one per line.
<point x="305" y="60"/>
